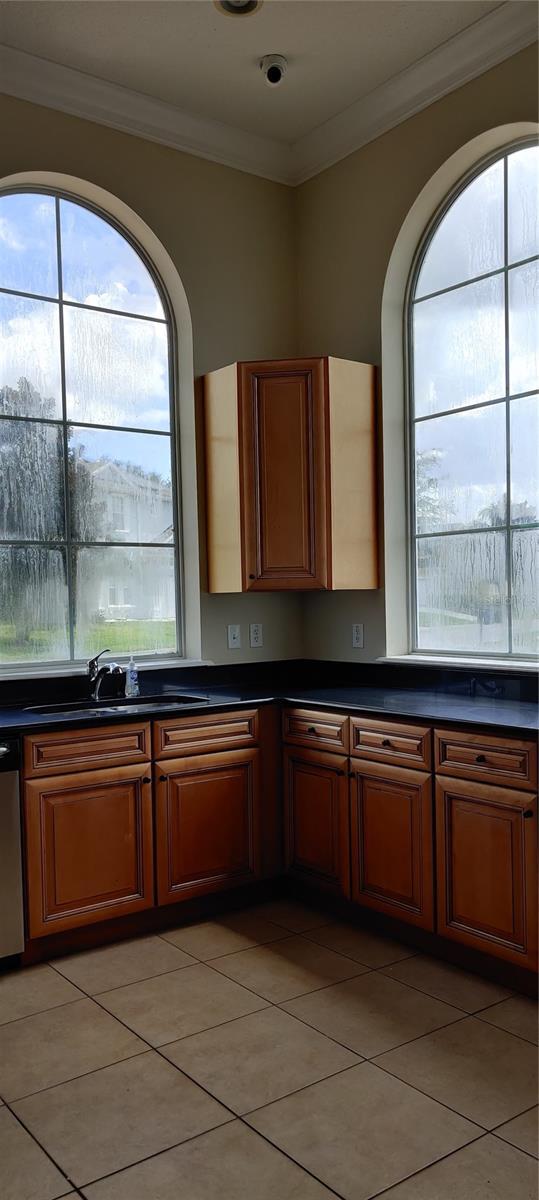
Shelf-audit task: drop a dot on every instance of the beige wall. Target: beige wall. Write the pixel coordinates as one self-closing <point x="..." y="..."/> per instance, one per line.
<point x="348" y="219"/>
<point x="231" y="238"/>
<point x="270" y="271"/>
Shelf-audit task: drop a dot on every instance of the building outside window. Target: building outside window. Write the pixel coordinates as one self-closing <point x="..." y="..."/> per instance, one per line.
<point x="88" y="498"/>
<point x="473" y="351"/>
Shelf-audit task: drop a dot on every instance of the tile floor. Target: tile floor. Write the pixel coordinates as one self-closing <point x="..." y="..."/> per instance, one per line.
<point x="269" y="1055"/>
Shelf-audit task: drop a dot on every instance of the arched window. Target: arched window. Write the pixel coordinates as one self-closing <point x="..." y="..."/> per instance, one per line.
<point x="473" y="379"/>
<point x="88" y="499"/>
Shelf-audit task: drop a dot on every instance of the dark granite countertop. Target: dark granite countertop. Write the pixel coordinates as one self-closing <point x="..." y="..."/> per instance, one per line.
<point x="432" y="706"/>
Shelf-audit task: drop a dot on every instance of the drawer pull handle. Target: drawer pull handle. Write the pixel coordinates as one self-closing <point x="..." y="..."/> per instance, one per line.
<point x="386" y="742"/>
<point x="480" y="758"/>
<point x="311" y="729"/>
<point x="528" y="814"/>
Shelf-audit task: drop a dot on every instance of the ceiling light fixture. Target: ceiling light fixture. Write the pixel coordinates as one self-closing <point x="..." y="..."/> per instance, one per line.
<point x="237" y="8"/>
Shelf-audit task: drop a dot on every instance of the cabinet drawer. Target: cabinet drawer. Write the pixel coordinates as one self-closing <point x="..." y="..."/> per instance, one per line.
<point x="200" y="735"/>
<point x="386" y="742"/>
<point x="321" y="730"/>
<point x="486" y="758"/>
<point x="84" y="749"/>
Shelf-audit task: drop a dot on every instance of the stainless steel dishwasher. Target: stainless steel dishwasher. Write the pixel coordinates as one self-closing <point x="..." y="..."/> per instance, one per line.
<point x="11" y="894"/>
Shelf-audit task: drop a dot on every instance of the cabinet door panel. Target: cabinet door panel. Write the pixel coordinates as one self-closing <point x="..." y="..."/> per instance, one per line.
<point x="391" y="821"/>
<point x="208" y="824"/>
<point x="88" y="848"/>
<point x="317" y="839"/>
<point x="487" y="868"/>
<point x="284" y="474"/>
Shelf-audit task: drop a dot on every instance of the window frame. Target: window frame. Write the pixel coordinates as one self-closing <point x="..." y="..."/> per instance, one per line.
<point x="19" y="668"/>
<point x="509" y="656"/>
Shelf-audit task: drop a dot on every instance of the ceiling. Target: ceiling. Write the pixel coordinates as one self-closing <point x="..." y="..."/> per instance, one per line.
<point x="186" y="54"/>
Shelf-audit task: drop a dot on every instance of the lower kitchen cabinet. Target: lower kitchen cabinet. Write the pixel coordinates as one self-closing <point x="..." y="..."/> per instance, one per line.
<point x="207" y="823"/>
<point x="391" y="841"/>
<point x="89" y="851"/>
<point x="317" y="835"/>
<point x="487" y="868"/>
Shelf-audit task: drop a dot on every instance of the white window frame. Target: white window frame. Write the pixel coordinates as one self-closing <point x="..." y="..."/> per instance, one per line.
<point x="163" y="270"/>
<point x="433" y="196"/>
<point x="508" y="526"/>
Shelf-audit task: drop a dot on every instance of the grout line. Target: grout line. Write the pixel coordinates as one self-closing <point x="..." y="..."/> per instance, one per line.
<point x="285" y="999"/>
<point x="519" y="1036"/>
<point x="520" y="1149"/>
<point x="393" y="962"/>
<point x="72" y="1078"/>
<point x="40" y="1011"/>
<point x="415" y="987"/>
<point x="442" y="1103"/>
<point x="43" y="1148"/>
<point x="434" y="1163"/>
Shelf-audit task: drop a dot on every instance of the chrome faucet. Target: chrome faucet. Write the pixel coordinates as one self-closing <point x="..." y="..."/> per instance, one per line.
<point x="96" y="674"/>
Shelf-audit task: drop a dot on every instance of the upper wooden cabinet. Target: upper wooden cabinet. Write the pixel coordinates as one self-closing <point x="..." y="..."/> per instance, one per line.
<point x="290" y="476"/>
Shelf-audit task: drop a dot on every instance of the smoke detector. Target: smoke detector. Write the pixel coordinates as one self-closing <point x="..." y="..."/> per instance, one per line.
<point x="237" y="8"/>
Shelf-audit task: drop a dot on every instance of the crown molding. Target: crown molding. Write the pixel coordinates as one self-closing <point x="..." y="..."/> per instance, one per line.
<point x="42" y="82"/>
<point x="470" y="53"/>
<point x="487" y="42"/>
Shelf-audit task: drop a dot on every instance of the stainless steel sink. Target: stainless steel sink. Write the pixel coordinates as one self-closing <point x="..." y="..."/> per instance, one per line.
<point x="119" y="704"/>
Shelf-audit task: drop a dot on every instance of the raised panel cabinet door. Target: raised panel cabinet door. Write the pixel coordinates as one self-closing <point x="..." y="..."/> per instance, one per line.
<point x="284" y="474"/>
<point x="89" y="848"/>
<point x="392" y="842"/>
<point x="487" y="868"/>
<point x="317" y="833"/>
<point x="207" y="824"/>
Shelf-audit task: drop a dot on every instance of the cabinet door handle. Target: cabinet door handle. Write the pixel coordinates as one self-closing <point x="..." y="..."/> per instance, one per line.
<point x="528" y="814"/>
<point x="386" y="742"/>
<point x="480" y="758"/>
<point x="311" y="729"/>
<point x="162" y="779"/>
<point x="252" y="576"/>
<point x="146" y="779"/>
<point x="351" y="774"/>
<point x="341" y="772"/>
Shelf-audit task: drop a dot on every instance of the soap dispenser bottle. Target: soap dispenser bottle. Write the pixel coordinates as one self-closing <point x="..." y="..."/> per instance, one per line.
<point x="131" y="683"/>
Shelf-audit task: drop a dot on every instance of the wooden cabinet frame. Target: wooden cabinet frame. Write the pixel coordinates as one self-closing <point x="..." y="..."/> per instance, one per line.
<point x="318" y="854"/>
<point x="487" y="905"/>
<point x="392" y="859"/>
<point x="181" y="870"/>
<point x="68" y="886"/>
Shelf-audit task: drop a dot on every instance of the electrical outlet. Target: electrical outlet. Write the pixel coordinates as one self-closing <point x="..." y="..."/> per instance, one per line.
<point x="234" y="637"/>
<point x="357" y="637"/>
<point x="255" y="635"/>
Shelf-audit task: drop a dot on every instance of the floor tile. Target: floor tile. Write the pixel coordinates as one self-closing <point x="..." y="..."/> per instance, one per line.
<point x="33" y="990"/>
<point x="291" y="915"/>
<point x="517" y="1015"/>
<point x="484" y="1073"/>
<point x="177" y="1004"/>
<point x="112" y="1118"/>
<point x="360" y="944"/>
<point x="481" y="1171"/>
<point x="51" y="1047"/>
<point x="447" y="983"/>
<point x="236" y="932"/>
<point x="287" y="968"/>
<point x="231" y="1163"/>
<point x="259" y="1058"/>
<point x="372" y="1014"/>
<point x="25" y="1171"/>
<point x="359" y="1133"/>
<point x="126" y="962"/>
<point x="522" y="1131"/>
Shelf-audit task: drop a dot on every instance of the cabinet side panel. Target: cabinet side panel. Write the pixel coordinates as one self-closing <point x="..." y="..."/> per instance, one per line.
<point x="222" y="480"/>
<point x="353" y="474"/>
